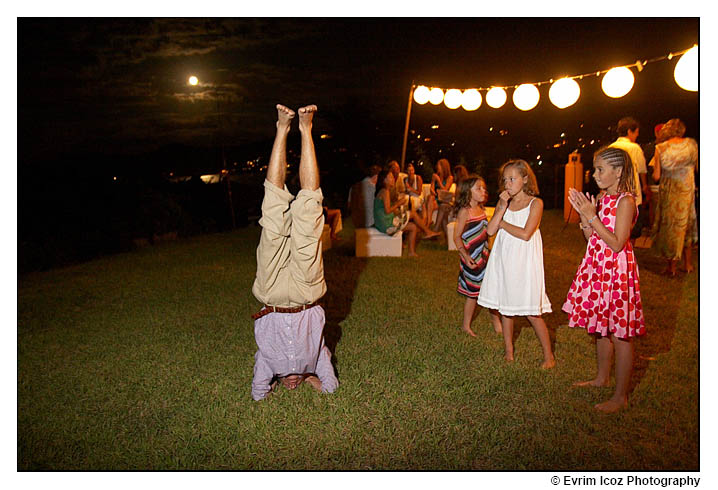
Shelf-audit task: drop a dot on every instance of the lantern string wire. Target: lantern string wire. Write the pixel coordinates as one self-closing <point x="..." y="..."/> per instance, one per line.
<point x="639" y="64"/>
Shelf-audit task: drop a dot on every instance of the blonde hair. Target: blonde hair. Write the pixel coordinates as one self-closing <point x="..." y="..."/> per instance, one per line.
<point x="674" y="128"/>
<point x="618" y="158"/>
<point x="443" y="168"/>
<point x="523" y="168"/>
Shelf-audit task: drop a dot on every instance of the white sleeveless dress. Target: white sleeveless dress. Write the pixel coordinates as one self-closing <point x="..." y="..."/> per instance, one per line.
<point x="514" y="277"/>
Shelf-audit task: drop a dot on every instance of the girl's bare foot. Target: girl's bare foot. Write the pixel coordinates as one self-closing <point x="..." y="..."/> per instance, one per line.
<point x="432" y="234"/>
<point x="611" y="406"/>
<point x="594" y="382"/>
<point x="551" y="363"/>
<point x="413" y="254"/>
<point x="305" y="117"/>
<point x="509" y="358"/>
<point x="469" y="331"/>
<point x="284" y="117"/>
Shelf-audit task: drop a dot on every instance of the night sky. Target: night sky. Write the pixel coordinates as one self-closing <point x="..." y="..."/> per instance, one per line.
<point x="119" y="85"/>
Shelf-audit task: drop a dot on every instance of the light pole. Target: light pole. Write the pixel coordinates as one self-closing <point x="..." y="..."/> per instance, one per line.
<point x="406" y="126"/>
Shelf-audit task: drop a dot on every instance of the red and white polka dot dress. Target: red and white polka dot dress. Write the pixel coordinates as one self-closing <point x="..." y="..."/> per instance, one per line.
<point x="605" y="297"/>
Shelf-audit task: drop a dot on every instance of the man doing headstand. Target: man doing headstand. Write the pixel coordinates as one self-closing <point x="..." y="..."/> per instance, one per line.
<point x="290" y="272"/>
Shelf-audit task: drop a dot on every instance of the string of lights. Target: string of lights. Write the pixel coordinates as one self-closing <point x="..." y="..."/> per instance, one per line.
<point x="565" y="91"/>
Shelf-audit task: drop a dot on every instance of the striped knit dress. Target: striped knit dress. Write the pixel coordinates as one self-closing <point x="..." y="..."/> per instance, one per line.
<point x="476" y="240"/>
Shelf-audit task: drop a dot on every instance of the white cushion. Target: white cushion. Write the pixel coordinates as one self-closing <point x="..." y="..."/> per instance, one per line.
<point x="370" y="242"/>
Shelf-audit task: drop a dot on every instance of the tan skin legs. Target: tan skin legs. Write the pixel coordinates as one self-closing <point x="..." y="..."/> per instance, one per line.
<point x="605" y="349"/>
<point x="277" y="168"/>
<point x="672" y="266"/>
<point x="539" y="326"/>
<point x="471" y="311"/>
<point x="308" y="168"/>
<point x="687" y="263"/>
<point x="410" y="231"/>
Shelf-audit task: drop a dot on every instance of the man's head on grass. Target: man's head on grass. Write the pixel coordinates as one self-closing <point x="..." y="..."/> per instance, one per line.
<point x="292" y="381"/>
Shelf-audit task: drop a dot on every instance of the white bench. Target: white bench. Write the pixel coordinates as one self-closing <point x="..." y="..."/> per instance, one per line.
<point x="370" y="242"/>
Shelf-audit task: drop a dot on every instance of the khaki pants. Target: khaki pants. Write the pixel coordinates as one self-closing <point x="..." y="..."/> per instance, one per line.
<point x="290" y="271"/>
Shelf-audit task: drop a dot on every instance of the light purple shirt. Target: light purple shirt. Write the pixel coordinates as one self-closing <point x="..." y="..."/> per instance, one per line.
<point x="291" y="343"/>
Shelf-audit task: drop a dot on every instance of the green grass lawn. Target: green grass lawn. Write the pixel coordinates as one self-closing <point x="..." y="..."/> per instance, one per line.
<point x="144" y="361"/>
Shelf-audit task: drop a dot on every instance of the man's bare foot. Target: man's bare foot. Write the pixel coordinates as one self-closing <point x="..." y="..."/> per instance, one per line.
<point x="591" y="383"/>
<point x="551" y="363"/>
<point x="306" y="114"/>
<point x="611" y="406"/>
<point x="284" y="117"/>
<point x="468" y="330"/>
<point x="314" y="382"/>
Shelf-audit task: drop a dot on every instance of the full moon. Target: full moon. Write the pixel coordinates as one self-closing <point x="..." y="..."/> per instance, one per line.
<point x="193" y="80"/>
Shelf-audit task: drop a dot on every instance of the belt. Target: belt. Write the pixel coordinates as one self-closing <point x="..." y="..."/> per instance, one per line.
<point x="279" y="309"/>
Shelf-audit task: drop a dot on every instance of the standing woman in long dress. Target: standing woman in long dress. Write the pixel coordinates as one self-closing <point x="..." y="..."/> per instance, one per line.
<point x="675" y="228"/>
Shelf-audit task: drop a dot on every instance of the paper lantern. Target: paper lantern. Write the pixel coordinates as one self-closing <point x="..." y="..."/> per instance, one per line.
<point x="421" y="94"/>
<point x="471" y="99"/>
<point x="436" y="95"/>
<point x="452" y="98"/>
<point x="564" y="92"/>
<point x="686" y="71"/>
<point x="526" y="96"/>
<point x="496" y="97"/>
<point x="617" y="82"/>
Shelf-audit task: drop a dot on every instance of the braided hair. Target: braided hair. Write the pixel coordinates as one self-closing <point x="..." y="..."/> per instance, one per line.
<point x="618" y="158"/>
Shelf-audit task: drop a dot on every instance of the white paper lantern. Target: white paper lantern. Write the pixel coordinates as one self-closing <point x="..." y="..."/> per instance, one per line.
<point x="452" y="98"/>
<point x="526" y="96"/>
<point x="471" y="99"/>
<point x="617" y="82"/>
<point x="421" y="94"/>
<point x="686" y="71"/>
<point x="564" y="92"/>
<point x="496" y="97"/>
<point x="436" y="95"/>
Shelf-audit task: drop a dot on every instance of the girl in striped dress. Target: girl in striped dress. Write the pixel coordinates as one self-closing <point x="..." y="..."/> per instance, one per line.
<point x="471" y="240"/>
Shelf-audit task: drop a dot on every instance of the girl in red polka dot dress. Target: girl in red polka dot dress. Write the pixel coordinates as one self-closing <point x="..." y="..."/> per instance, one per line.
<point x="605" y="298"/>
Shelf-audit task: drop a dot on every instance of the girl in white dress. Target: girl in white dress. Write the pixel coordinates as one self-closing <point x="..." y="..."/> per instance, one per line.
<point x="514" y="278"/>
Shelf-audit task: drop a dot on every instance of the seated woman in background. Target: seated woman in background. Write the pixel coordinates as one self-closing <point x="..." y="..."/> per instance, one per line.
<point x="441" y="183"/>
<point x="391" y="219"/>
<point x="413" y="184"/>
